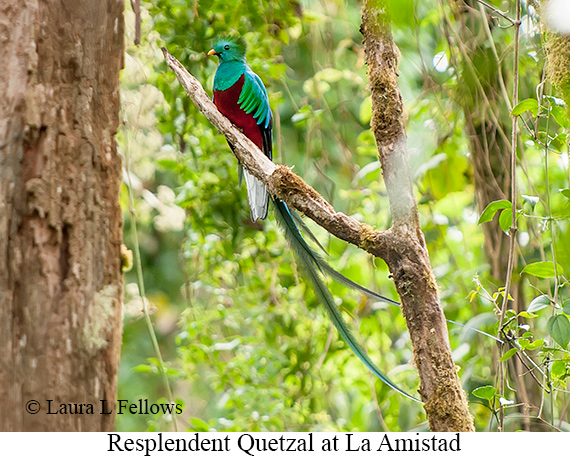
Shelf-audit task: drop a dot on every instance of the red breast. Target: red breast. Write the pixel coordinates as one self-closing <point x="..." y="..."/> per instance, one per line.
<point x="227" y="103"/>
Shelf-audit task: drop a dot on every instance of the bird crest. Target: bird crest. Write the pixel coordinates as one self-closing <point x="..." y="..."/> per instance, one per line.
<point x="231" y="47"/>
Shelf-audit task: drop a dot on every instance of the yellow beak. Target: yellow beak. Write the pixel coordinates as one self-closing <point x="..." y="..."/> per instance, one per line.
<point x="212" y="52"/>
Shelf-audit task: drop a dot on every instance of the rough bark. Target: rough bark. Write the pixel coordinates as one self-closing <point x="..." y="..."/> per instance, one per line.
<point x="408" y="260"/>
<point x="60" y="219"/>
<point x="402" y="246"/>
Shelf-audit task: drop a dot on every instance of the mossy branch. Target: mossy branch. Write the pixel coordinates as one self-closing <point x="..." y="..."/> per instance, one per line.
<point x="445" y="401"/>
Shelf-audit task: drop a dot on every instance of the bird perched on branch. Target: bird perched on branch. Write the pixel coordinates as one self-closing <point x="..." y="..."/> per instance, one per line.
<point x="240" y="95"/>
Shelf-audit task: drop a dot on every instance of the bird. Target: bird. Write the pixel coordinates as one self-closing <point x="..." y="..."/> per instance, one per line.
<point x="241" y="96"/>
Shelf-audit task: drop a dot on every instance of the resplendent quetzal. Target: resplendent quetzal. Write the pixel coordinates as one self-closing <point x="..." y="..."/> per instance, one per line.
<point x="240" y="95"/>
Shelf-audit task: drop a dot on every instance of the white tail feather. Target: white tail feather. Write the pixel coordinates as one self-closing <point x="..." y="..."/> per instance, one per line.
<point x="257" y="195"/>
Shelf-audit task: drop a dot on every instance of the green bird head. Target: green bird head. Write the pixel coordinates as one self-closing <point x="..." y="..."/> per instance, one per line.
<point x="229" y="48"/>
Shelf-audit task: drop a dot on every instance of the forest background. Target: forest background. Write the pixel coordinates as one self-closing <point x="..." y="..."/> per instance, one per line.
<point x="244" y="341"/>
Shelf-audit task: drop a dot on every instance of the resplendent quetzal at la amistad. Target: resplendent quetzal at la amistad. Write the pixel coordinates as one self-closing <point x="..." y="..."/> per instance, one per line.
<point x="240" y="95"/>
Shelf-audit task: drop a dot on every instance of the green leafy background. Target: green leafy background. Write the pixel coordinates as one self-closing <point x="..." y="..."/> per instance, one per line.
<point x="247" y="346"/>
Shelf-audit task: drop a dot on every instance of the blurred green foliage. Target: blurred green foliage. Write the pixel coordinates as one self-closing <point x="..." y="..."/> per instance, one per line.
<point x="246" y="344"/>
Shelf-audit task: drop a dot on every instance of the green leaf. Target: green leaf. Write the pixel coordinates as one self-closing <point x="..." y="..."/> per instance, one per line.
<point x="565" y="192"/>
<point x="144" y="369"/>
<point x="542" y="269"/>
<point x="538" y="303"/>
<point x="507" y="355"/>
<point x="489" y="212"/>
<point x="527" y="315"/>
<point x="558" y="368"/>
<point x="199" y="425"/>
<point x="530" y="104"/>
<point x="485" y="392"/>
<point x="365" y="111"/>
<point x="510" y="312"/>
<point x="534" y="345"/>
<point x="559" y="112"/>
<point x="566" y="307"/>
<point x="302" y="115"/>
<point x="559" y="329"/>
<point x="505" y="219"/>
<point x="169" y="164"/>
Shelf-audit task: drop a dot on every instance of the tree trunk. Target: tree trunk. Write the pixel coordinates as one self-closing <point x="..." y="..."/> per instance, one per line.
<point x="407" y="257"/>
<point x="60" y="219"/>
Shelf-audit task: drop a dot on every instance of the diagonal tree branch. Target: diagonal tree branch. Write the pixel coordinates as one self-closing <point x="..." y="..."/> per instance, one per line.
<point x="279" y="179"/>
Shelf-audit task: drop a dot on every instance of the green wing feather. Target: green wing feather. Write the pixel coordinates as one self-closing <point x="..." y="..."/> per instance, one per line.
<point x="253" y="98"/>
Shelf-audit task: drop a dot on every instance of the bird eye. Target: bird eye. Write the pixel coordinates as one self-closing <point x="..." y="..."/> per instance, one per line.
<point x="227" y="47"/>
